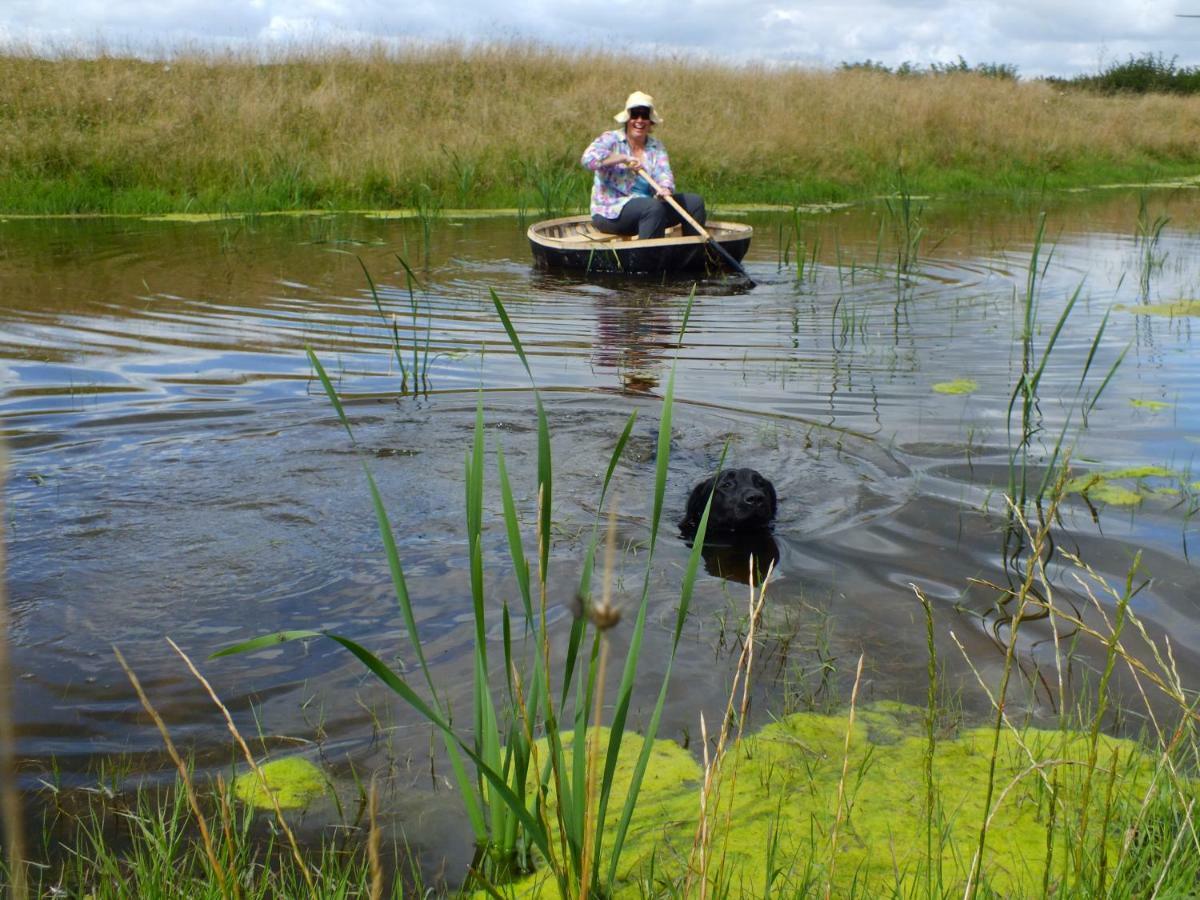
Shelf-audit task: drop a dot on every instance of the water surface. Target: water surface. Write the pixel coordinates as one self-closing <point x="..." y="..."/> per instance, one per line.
<point x="176" y="469"/>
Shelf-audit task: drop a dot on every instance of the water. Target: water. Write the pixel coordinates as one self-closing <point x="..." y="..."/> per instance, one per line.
<point x="176" y="469"/>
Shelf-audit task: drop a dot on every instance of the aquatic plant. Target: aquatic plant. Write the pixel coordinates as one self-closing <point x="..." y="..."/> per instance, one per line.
<point x="956" y="386"/>
<point x="1166" y="310"/>
<point x="807" y="252"/>
<point x="1148" y="234"/>
<point x="904" y="213"/>
<point x="428" y="207"/>
<point x="508" y="800"/>
<point x="1023" y="428"/>
<point x="420" y="355"/>
<point x="293" y="780"/>
<point x="466" y="174"/>
<point x="555" y="185"/>
<point x="927" y="806"/>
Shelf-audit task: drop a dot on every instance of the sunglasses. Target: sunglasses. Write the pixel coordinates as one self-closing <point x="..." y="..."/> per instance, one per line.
<point x="640" y="112"/>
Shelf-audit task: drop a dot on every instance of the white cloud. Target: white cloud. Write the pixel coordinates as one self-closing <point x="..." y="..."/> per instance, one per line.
<point x="1039" y="37"/>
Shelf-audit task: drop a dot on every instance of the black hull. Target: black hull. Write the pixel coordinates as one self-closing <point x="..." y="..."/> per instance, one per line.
<point x="572" y="244"/>
<point x="639" y="260"/>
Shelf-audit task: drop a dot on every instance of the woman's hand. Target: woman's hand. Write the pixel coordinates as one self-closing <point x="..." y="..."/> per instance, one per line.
<point x="624" y="159"/>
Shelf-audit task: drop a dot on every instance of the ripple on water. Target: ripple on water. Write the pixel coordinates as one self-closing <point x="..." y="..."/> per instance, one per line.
<point x="179" y="470"/>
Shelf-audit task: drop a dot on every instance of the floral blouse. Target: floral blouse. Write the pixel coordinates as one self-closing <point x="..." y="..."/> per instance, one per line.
<point x="614" y="185"/>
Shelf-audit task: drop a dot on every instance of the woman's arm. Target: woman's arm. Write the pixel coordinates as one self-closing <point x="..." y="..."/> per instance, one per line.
<point x="660" y="169"/>
<point x="604" y="151"/>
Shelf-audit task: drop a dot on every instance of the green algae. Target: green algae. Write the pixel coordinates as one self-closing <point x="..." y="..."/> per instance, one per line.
<point x="1102" y="486"/>
<point x="294" y="781"/>
<point x="1152" y="405"/>
<point x="957" y="386"/>
<point x="193" y="217"/>
<point x="1169" y="310"/>
<point x="786" y="790"/>
<point x="1141" y="472"/>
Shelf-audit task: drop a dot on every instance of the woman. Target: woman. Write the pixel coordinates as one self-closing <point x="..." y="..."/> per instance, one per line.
<point x="622" y="201"/>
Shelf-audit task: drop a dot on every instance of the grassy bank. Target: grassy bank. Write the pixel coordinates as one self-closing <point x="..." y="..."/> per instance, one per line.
<point x="504" y="126"/>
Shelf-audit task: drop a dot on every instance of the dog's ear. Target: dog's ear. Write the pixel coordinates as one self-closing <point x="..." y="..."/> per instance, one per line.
<point x="695" y="506"/>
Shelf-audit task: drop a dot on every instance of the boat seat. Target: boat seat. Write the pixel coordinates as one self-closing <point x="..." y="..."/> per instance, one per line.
<point x="592" y="233"/>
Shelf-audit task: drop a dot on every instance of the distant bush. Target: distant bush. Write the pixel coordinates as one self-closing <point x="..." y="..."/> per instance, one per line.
<point x="1002" y="71"/>
<point x="1146" y="74"/>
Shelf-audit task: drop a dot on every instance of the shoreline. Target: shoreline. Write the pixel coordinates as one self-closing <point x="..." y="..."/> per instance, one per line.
<point x="1191" y="182"/>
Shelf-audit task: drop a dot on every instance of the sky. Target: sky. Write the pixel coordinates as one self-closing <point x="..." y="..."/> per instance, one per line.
<point x="1039" y="37"/>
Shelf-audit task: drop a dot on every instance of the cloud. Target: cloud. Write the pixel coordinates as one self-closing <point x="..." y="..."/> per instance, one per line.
<point x="1040" y="38"/>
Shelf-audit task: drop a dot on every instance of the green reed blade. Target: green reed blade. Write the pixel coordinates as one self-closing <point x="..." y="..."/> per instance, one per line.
<point x="625" y="691"/>
<point x="545" y="475"/>
<point x="516" y="549"/>
<point x="1058" y="327"/>
<point x="469" y="797"/>
<point x="404" y="601"/>
<point x="1107" y="378"/>
<point x="506" y="644"/>
<point x="494" y="778"/>
<point x="687" y="315"/>
<point x="474" y="506"/>
<point x="685" y="600"/>
<point x="412" y="276"/>
<point x="267" y="640"/>
<point x="1092" y="350"/>
<point x="399" y="584"/>
<point x="1048" y="475"/>
<point x="383" y="316"/>
<point x="589" y="556"/>
<point x="332" y="394"/>
<point x="399" y="686"/>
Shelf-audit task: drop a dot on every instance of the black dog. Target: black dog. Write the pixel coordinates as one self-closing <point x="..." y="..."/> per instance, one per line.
<point x="743" y="502"/>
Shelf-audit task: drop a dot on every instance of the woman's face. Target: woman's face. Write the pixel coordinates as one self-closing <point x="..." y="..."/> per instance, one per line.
<point x="639" y="124"/>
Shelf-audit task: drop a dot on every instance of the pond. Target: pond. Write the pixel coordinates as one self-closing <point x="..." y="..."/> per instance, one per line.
<point x="176" y="469"/>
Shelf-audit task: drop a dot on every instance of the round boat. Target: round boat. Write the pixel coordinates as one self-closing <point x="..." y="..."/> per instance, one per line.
<point x="574" y="243"/>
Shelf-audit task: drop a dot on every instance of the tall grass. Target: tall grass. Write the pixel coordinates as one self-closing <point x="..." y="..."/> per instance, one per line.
<point x="216" y="131"/>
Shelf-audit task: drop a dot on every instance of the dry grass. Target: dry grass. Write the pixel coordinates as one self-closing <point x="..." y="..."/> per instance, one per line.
<point x="482" y="124"/>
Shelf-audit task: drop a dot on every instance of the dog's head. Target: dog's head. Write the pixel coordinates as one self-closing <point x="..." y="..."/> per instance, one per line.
<point x="742" y="501"/>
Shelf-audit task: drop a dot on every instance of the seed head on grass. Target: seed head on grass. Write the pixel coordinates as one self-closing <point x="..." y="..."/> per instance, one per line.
<point x="605" y="614"/>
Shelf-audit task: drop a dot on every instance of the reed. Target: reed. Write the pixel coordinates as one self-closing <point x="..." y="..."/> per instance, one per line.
<point x="1148" y="233"/>
<point x="528" y="792"/>
<point x="92" y="130"/>
<point x="1156" y="806"/>
<point x="1024" y="427"/>
<point x="904" y="212"/>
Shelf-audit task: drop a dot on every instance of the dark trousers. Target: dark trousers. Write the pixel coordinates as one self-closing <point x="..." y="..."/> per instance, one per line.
<point x="649" y="217"/>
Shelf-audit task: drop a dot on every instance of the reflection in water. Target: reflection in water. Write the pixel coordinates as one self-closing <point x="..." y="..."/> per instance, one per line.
<point x="177" y="469"/>
<point x="745" y="558"/>
<point x="633" y="337"/>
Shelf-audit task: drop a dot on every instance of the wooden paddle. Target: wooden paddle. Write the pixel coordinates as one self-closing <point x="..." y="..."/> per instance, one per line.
<point x="729" y="258"/>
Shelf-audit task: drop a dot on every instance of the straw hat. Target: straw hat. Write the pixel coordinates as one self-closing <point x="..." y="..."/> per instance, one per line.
<point x="637" y="98"/>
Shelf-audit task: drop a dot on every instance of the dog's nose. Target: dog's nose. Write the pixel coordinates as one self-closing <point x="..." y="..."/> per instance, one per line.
<point x="754" y="498"/>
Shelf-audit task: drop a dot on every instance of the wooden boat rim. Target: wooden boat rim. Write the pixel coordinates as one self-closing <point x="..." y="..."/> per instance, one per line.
<point x="733" y="231"/>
